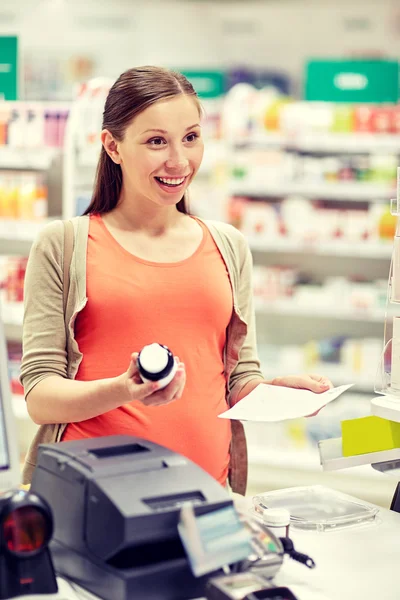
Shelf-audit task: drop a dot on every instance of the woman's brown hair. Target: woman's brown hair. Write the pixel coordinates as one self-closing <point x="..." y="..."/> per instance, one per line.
<point x="133" y="92"/>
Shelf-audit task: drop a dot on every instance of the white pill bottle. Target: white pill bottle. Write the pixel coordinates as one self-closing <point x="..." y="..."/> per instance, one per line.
<point x="156" y="363"/>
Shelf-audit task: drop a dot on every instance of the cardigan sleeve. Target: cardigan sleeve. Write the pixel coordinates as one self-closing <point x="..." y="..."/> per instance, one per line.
<point x="44" y="338"/>
<point x="247" y="368"/>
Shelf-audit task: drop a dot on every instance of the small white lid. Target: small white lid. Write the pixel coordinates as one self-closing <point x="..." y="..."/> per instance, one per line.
<point x="278" y="517"/>
<point x="153" y="358"/>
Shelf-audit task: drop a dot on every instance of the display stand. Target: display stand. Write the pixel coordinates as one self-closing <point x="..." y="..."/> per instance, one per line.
<point x="387" y="404"/>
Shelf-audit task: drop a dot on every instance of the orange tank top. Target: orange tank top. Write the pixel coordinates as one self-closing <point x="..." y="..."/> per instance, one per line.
<point x="185" y="305"/>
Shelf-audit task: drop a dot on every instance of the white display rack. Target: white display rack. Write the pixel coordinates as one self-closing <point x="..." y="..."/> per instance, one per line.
<point x="349" y="142"/>
<point x="19" y="407"/>
<point x="352" y="143"/>
<point x="386" y="407"/>
<point x="16" y="236"/>
<point x="374" y="250"/>
<point x="332" y="459"/>
<point x="12" y="315"/>
<point x="352" y="192"/>
<point x="292" y="308"/>
<point x="21" y="231"/>
<point x="305" y="460"/>
<point x="35" y="159"/>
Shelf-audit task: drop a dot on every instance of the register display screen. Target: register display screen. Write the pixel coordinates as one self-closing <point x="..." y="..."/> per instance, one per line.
<point x="4" y="455"/>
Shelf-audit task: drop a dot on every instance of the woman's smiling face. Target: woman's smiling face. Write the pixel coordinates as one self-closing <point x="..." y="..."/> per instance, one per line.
<point x="162" y="151"/>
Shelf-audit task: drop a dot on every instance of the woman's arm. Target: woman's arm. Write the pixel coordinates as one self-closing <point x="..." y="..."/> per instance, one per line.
<point x="58" y="400"/>
<point x="247" y="373"/>
<point x="52" y="397"/>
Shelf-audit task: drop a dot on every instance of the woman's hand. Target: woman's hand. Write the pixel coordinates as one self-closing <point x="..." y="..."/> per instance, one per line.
<point x="314" y="383"/>
<point x="149" y="393"/>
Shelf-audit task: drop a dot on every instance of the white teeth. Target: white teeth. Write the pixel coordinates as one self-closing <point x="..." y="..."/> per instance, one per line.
<point x="172" y="181"/>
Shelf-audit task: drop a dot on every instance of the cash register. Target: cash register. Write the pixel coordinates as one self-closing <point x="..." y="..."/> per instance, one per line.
<point x="116" y="503"/>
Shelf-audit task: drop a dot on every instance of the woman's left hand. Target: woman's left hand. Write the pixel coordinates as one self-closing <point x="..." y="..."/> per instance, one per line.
<point x="314" y="383"/>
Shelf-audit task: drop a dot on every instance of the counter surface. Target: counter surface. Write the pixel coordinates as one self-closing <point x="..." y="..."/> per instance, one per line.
<point x="361" y="563"/>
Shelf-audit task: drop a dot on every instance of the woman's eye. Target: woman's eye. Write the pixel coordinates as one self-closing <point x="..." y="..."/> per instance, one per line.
<point x="156" y="142"/>
<point x="192" y="137"/>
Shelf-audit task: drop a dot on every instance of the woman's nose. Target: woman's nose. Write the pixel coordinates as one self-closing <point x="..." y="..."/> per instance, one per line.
<point x="176" y="162"/>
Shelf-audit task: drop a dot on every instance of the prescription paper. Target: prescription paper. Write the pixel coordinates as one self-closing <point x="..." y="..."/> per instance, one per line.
<point x="272" y="403"/>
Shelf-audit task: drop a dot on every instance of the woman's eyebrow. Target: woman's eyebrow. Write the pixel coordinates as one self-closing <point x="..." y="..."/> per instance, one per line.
<point x="165" y="132"/>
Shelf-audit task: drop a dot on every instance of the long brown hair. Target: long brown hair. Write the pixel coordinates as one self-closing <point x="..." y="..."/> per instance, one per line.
<point x="133" y="92"/>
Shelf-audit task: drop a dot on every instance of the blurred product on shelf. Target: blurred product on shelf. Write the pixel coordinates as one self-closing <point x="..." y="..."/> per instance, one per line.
<point x="83" y="144"/>
<point x="14" y="367"/>
<point x="14" y="268"/>
<point x="53" y="75"/>
<point x="32" y="125"/>
<point x="87" y="117"/>
<point x="250" y="112"/>
<point x="263" y="167"/>
<point x="325" y="117"/>
<point x="298" y="219"/>
<point x="341" y="358"/>
<point x="12" y="275"/>
<point x="23" y="195"/>
<point x="286" y="288"/>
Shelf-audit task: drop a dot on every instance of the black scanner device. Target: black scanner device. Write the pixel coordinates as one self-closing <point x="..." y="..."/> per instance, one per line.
<point x="116" y="504"/>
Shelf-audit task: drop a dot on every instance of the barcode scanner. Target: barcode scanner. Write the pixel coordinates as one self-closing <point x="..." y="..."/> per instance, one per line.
<point x="26" y="528"/>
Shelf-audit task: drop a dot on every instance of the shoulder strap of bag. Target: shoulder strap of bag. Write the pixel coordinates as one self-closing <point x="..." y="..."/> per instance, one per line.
<point x="68" y="249"/>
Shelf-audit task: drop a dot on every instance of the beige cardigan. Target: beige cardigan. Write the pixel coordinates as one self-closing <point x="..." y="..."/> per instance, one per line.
<point x="50" y="348"/>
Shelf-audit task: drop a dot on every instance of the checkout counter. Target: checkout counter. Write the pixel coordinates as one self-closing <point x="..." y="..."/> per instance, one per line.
<point x="116" y="509"/>
<point x="360" y="564"/>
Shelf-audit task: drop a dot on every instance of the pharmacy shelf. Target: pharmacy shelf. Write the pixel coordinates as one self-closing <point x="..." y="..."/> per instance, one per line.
<point x="325" y="142"/>
<point x="12" y="315"/>
<point x="16" y="236"/>
<point x="286" y="308"/>
<point x="35" y="159"/>
<point x="307" y="459"/>
<point x="19" y="407"/>
<point x="20" y="230"/>
<point x="348" y="142"/>
<point x="352" y="192"/>
<point x="374" y="250"/>
<point x="88" y="158"/>
<point x="386" y="407"/>
<point x="262" y="140"/>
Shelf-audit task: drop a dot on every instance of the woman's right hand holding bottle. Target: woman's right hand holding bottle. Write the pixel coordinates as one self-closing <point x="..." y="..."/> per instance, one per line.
<point x="149" y="393"/>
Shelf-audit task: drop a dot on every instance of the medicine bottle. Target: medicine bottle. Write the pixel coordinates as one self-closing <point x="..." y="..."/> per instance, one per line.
<point x="156" y="363"/>
<point x="277" y="520"/>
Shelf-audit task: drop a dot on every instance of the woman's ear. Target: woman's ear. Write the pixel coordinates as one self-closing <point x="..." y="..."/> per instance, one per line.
<point x="110" y="146"/>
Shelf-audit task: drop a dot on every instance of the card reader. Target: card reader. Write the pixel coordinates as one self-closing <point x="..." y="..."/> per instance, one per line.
<point x="245" y="586"/>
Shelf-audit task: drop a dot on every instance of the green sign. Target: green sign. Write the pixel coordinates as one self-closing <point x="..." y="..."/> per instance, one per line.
<point x="371" y="81"/>
<point x="208" y="84"/>
<point x="8" y="68"/>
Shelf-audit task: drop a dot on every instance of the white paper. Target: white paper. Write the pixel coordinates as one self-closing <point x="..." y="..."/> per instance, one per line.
<point x="277" y="403"/>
